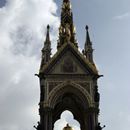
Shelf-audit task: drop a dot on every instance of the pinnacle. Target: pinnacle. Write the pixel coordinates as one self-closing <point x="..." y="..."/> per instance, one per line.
<point x="66" y="1"/>
<point x="47" y="34"/>
<point x="87" y="27"/>
<point x="66" y="29"/>
<point x="48" y="27"/>
<point x="87" y="35"/>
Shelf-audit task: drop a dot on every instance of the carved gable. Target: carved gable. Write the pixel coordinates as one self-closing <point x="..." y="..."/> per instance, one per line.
<point x="68" y="64"/>
<point x="68" y="60"/>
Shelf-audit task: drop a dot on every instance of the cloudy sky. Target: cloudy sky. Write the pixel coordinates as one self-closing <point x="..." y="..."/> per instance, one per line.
<point x="22" y="32"/>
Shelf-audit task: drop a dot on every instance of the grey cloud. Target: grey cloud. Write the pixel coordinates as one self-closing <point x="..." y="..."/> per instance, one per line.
<point x="22" y="33"/>
<point x="22" y="38"/>
<point x="20" y="98"/>
<point x="19" y="90"/>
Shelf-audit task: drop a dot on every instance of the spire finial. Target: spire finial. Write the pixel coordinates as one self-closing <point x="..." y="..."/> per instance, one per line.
<point x="67" y="124"/>
<point x="66" y="29"/>
<point x="48" y="27"/>
<point x="88" y="50"/>
<point x="48" y="35"/>
<point x="87" y="36"/>
<point x="46" y="51"/>
<point x="66" y="1"/>
<point x="86" y="27"/>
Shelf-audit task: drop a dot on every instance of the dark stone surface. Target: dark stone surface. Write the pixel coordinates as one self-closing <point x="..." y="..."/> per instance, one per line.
<point x="67" y="81"/>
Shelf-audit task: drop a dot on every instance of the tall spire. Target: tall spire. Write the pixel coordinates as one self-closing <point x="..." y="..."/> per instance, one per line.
<point x="48" y="35"/>
<point x="46" y="51"/>
<point x="66" y="29"/>
<point x="87" y="42"/>
<point x="88" y="50"/>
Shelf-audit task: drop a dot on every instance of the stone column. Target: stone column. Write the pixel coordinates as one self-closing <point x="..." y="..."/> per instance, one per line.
<point x="92" y="118"/>
<point x="46" y="118"/>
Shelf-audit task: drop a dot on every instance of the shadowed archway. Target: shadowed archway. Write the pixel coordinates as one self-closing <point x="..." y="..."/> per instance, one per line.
<point x="70" y="97"/>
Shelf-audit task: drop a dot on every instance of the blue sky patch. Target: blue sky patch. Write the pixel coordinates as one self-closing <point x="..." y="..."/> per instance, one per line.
<point x="2" y="3"/>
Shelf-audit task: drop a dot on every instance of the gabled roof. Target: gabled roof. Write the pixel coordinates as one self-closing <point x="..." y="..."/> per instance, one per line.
<point x="68" y="47"/>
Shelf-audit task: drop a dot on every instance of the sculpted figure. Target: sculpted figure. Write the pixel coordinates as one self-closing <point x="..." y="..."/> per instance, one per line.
<point x="67" y="33"/>
<point x="60" y="29"/>
<point x="96" y="95"/>
<point x="99" y="127"/>
<point x="38" y="126"/>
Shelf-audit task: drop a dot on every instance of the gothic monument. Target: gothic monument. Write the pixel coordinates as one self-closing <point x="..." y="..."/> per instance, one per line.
<point x="68" y="79"/>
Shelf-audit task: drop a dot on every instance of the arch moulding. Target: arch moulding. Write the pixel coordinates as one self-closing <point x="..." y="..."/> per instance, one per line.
<point x="68" y="87"/>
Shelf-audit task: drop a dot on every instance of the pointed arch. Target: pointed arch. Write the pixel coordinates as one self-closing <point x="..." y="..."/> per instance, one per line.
<point x="69" y="87"/>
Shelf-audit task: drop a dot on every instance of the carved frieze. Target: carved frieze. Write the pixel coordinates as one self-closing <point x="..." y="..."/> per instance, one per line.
<point x="85" y="85"/>
<point x="53" y="84"/>
<point x="68" y="66"/>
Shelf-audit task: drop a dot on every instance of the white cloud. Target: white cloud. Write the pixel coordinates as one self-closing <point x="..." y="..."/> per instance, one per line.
<point x="122" y="16"/>
<point x="22" y="31"/>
